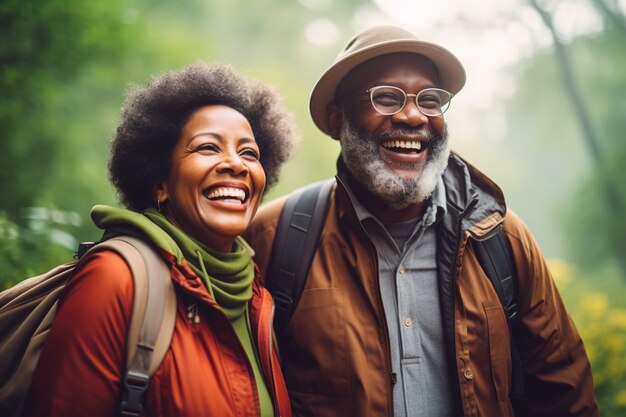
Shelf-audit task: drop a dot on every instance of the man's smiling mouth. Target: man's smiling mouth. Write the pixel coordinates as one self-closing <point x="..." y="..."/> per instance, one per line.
<point x="403" y="146"/>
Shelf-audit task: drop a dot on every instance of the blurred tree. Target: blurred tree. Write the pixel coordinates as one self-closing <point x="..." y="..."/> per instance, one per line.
<point x="599" y="234"/>
<point x="611" y="12"/>
<point x="596" y="233"/>
<point x="580" y="104"/>
<point x="45" y="46"/>
<point x="63" y="68"/>
<point x="547" y="132"/>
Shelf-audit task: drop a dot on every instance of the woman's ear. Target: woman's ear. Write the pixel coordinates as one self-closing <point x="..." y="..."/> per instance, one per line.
<point x="160" y="193"/>
<point x="335" y="120"/>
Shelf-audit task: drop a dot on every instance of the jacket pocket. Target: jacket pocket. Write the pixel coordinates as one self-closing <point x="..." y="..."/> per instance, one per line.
<point x="315" y="360"/>
<point x="499" y="350"/>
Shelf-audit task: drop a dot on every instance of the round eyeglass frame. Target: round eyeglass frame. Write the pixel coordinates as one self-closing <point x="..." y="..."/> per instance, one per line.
<point x="424" y="111"/>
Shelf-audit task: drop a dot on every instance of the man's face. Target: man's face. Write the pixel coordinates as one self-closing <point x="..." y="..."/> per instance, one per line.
<point x="397" y="157"/>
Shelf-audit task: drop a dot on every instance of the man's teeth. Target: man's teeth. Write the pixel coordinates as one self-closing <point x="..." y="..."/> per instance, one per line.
<point x="403" y="144"/>
<point x="236" y="193"/>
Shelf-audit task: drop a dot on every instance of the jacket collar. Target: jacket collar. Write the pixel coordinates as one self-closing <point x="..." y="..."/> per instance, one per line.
<point x="478" y="200"/>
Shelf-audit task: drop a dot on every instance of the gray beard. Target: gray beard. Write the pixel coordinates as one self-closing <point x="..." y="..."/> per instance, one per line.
<point x="360" y="153"/>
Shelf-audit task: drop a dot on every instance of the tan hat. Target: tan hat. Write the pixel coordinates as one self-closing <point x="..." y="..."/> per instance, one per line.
<point x="374" y="42"/>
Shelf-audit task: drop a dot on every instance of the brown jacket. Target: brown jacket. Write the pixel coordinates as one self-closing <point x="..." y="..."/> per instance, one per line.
<point x="336" y="358"/>
<point x="204" y="373"/>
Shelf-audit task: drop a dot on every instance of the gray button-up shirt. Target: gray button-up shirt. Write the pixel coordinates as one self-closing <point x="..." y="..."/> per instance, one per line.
<point x="408" y="285"/>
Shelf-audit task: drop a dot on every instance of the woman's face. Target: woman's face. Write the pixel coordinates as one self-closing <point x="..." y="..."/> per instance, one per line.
<point x="216" y="181"/>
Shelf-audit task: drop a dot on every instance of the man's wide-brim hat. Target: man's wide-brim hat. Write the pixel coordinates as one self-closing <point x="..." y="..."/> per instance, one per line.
<point x="374" y="42"/>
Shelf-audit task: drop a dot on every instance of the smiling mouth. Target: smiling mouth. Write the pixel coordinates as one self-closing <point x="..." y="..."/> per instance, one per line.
<point x="403" y="146"/>
<point x="227" y="194"/>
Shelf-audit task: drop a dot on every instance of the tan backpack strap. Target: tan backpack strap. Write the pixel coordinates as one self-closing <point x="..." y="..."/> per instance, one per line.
<point x="155" y="299"/>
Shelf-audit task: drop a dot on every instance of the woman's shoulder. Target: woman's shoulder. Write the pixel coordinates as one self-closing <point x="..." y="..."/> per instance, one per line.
<point x="88" y="336"/>
<point x="102" y="278"/>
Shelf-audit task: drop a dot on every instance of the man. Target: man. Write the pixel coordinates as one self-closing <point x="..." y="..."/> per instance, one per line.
<point x="397" y="316"/>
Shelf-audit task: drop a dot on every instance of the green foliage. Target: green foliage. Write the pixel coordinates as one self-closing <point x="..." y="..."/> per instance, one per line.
<point x="599" y="313"/>
<point x="52" y="124"/>
<point x="64" y="66"/>
<point x="29" y="252"/>
<point x="45" y="46"/>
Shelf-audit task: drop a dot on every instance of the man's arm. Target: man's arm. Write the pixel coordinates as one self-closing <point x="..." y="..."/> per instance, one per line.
<point x="557" y="373"/>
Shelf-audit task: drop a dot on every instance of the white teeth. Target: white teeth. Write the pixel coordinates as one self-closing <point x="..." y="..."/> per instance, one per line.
<point x="227" y="192"/>
<point x="403" y="144"/>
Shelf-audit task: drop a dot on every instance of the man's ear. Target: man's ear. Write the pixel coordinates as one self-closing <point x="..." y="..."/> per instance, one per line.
<point x="335" y="120"/>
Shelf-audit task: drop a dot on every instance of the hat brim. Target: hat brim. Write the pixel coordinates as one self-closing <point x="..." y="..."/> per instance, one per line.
<point x="450" y="71"/>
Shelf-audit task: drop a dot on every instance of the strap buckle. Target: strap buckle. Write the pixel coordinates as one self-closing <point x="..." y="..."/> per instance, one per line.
<point x="135" y="387"/>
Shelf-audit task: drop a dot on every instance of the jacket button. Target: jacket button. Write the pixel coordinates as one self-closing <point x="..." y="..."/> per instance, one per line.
<point x="402" y="270"/>
<point x="468" y="374"/>
<point x="408" y="321"/>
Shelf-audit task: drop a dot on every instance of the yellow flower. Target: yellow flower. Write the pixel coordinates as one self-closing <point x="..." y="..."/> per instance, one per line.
<point x="617" y="319"/>
<point x="620" y="398"/>
<point x="594" y="305"/>
<point x="561" y="270"/>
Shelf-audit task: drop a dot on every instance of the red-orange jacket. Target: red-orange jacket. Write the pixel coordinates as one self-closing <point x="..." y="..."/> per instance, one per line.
<point x="205" y="372"/>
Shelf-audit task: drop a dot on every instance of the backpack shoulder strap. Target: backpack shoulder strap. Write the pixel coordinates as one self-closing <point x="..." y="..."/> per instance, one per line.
<point x="152" y="321"/>
<point x="496" y="258"/>
<point x="297" y="235"/>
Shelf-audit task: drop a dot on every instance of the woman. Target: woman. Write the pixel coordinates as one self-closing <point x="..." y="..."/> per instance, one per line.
<point x="190" y="160"/>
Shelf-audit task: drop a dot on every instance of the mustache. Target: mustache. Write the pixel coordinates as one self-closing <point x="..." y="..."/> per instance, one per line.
<point x="394" y="133"/>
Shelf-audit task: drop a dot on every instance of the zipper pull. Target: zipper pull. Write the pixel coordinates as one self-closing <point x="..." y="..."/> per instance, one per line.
<point x="192" y="313"/>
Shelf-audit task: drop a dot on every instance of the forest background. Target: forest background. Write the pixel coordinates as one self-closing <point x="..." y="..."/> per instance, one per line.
<point x="543" y="114"/>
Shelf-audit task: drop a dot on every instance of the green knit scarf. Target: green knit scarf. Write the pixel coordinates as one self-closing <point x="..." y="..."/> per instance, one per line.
<point x="227" y="275"/>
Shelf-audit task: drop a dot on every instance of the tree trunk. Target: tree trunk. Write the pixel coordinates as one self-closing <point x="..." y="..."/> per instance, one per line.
<point x="580" y="107"/>
<point x="611" y="14"/>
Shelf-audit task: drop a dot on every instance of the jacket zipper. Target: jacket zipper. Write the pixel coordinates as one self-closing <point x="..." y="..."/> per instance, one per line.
<point x="392" y="375"/>
<point x="270" y="342"/>
<point x="459" y="229"/>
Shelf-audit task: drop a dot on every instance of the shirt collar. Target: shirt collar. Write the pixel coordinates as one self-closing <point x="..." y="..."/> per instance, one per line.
<point x="438" y="203"/>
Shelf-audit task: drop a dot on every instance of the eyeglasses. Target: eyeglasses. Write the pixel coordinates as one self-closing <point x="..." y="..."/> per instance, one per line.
<point x="389" y="100"/>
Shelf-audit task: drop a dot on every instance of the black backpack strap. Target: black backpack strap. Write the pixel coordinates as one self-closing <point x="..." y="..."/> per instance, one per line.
<point x="496" y="258"/>
<point x="297" y="235"/>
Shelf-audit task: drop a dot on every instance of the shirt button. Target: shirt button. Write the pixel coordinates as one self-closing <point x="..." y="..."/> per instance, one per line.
<point x="402" y="269"/>
<point x="408" y="321"/>
<point x="468" y="374"/>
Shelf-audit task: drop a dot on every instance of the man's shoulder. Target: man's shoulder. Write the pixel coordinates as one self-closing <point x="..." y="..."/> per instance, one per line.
<point x="260" y="234"/>
<point x="514" y="226"/>
<point x="269" y="212"/>
<point x="264" y="223"/>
